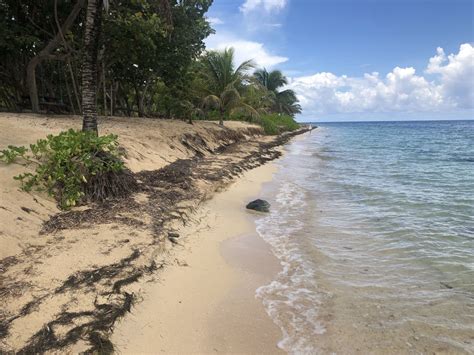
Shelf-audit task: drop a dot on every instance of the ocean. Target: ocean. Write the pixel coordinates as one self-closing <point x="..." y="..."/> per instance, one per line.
<point x="374" y="226"/>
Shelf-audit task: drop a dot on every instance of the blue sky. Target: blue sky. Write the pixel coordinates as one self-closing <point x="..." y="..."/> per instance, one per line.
<point x="359" y="59"/>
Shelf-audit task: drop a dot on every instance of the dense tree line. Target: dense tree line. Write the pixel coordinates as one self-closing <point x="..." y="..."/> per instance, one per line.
<point x="149" y="60"/>
<point x="135" y="58"/>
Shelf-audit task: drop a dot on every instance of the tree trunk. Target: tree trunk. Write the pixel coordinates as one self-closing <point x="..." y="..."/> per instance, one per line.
<point x="112" y="97"/>
<point x="69" y="96"/>
<point x="105" y="89"/>
<point x="31" y="83"/>
<point x="127" y="105"/>
<point x="138" y="102"/>
<point x="46" y="53"/>
<point x="89" y="65"/>
<point x="221" y="118"/>
<point x="74" y="85"/>
<point x="141" y="103"/>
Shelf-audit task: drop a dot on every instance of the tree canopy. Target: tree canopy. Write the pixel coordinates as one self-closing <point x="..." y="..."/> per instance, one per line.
<point x="151" y="61"/>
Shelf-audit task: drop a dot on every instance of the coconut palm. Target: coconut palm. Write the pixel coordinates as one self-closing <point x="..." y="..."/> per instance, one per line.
<point x="285" y="101"/>
<point x="92" y="32"/>
<point x="225" y="83"/>
<point x="228" y="102"/>
<point x="272" y="81"/>
<point x="89" y="64"/>
<point x="259" y="98"/>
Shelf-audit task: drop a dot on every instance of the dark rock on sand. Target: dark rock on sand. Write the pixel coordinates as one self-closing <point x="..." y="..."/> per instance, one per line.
<point x="259" y="205"/>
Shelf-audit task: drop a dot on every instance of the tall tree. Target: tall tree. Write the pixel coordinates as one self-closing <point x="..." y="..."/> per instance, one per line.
<point x="272" y="81"/>
<point x="139" y="52"/>
<point x="89" y="65"/>
<point x="225" y="82"/>
<point x="285" y="101"/>
<point x="91" y="46"/>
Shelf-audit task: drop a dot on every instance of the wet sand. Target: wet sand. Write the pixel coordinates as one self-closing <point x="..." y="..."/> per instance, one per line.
<point x="206" y="302"/>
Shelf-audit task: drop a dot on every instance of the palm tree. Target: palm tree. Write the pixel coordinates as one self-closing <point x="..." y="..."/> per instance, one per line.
<point x="225" y="82"/>
<point x="91" y="46"/>
<point x="228" y="102"/>
<point x="89" y="65"/>
<point x="259" y="98"/>
<point x="272" y="81"/>
<point x="284" y="101"/>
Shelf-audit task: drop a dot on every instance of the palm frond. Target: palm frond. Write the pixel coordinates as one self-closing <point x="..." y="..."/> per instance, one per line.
<point x="246" y="109"/>
<point x="245" y="67"/>
<point x="270" y="80"/>
<point x="261" y="76"/>
<point x="287" y="95"/>
<point x="199" y="112"/>
<point x="276" y="80"/>
<point x="230" y="97"/>
<point x="211" y="101"/>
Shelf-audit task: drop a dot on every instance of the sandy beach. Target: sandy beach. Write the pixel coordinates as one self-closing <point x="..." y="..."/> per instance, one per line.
<point x="69" y="276"/>
<point x="135" y="134"/>
<point x="205" y="302"/>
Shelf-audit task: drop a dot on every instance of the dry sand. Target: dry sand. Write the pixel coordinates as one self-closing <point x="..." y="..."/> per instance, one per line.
<point x="65" y="288"/>
<point x="205" y="302"/>
<point x="150" y="144"/>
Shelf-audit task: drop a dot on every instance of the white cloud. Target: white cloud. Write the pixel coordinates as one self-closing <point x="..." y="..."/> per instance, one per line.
<point x="245" y="50"/>
<point x="267" y="5"/>
<point x="457" y="74"/>
<point x="215" y="21"/>
<point x="401" y="90"/>
<point x="274" y="25"/>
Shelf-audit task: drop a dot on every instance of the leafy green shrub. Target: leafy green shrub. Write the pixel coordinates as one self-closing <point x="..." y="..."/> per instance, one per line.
<point x="272" y="124"/>
<point x="275" y="124"/>
<point x="73" y="166"/>
<point x="268" y="125"/>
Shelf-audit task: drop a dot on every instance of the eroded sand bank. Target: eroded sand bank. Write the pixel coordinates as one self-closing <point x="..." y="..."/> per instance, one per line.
<point x="67" y="277"/>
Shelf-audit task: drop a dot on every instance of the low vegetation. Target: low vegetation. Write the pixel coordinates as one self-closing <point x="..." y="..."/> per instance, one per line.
<point x="74" y="167"/>
<point x="274" y="124"/>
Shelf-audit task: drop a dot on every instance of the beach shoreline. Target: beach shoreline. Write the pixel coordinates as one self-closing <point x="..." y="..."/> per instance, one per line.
<point x="69" y="276"/>
<point x="205" y="301"/>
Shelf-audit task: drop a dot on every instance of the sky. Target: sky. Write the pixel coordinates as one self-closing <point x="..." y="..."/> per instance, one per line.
<point x="359" y="59"/>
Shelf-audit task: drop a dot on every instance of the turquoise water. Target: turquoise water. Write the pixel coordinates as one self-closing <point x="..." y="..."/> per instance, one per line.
<point x="374" y="226"/>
